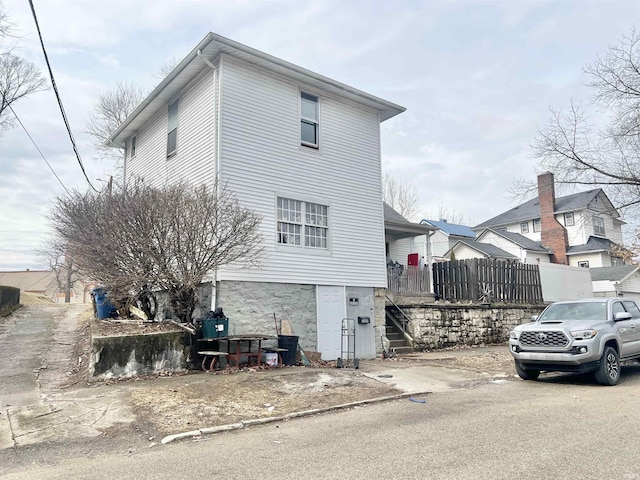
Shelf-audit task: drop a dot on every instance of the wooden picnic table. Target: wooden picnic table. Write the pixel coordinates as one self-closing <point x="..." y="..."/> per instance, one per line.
<point x="235" y="343"/>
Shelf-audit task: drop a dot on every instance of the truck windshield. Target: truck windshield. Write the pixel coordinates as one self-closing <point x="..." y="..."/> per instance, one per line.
<point x="575" y="311"/>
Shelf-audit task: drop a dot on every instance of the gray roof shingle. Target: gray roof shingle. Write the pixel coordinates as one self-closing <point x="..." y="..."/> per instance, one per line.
<point x="521" y="241"/>
<point x="594" y="244"/>
<point x="616" y="273"/>
<point x="531" y="209"/>
<point x="489" y="250"/>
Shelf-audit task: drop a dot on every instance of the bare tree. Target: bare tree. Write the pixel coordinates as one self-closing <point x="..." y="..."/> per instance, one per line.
<point x="18" y="77"/>
<point x="450" y="215"/>
<point x="143" y="238"/>
<point x="166" y="68"/>
<point x="111" y="109"/>
<point x="609" y="157"/>
<point x="62" y="266"/>
<point x="401" y="196"/>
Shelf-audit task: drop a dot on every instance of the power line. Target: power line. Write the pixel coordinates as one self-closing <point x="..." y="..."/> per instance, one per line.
<point x="55" y="89"/>
<point x="40" y="152"/>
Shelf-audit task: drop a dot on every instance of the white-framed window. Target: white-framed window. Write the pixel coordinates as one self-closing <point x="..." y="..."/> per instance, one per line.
<point x="598" y="226"/>
<point x="537" y="226"/>
<point x="584" y="264"/>
<point x="172" y="129"/>
<point x="569" y="221"/>
<point x="309" y="120"/>
<point x="302" y="223"/>
<point x="133" y="145"/>
<point x="524" y="227"/>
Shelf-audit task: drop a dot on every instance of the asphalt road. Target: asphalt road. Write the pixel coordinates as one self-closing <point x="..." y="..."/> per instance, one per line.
<point x="558" y="428"/>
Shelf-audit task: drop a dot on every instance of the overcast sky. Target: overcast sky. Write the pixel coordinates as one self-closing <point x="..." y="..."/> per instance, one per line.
<point x="477" y="79"/>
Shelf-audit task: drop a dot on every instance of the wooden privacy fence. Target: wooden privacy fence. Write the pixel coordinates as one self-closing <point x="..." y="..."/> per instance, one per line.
<point x="487" y="280"/>
<point x="409" y="279"/>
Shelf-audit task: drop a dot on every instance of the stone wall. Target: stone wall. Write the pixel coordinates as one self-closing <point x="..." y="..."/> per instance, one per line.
<point x="250" y="307"/>
<point x="9" y="298"/>
<point x="447" y="325"/>
<point x="132" y="355"/>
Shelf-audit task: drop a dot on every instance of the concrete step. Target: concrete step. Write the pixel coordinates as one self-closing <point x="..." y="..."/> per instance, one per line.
<point x="398" y="343"/>
<point x="402" y="350"/>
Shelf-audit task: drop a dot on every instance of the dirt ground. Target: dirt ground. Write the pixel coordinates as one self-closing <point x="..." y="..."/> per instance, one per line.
<point x="491" y="362"/>
<point x="205" y="400"/>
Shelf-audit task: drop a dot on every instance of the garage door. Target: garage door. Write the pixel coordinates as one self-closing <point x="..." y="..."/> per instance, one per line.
<point x="331" y="311"/>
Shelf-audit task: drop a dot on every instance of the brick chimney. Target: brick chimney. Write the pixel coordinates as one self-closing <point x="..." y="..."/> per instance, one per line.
<point x="554" y="235"/>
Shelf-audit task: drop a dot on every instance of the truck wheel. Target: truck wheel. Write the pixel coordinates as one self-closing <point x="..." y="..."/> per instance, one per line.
<point x="609" y="371"/>
<point x="526" y="374"/>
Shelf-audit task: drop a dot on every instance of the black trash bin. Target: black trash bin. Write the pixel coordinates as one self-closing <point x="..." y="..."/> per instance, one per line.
<point x="290" y="343"/>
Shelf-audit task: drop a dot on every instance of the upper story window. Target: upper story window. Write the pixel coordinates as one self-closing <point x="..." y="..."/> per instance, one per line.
<point x="537" y="226"/>
<point x="299" y="220"/>
<point x="598" y="226"/>
<point x="132" y="146"/>
<point x="569" y="221"/>
<point x="309" y="120"/>
<point x="524" y="227"/>
<point x="172" y="128"/>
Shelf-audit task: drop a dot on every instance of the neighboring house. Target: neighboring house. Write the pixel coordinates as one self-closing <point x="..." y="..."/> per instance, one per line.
<point x="515" y="245"/>
<point x="466" y="249"/>
<point x="404" y="238"/>
<point x="301" y="150"/>
<point x="44" y="283"/>
<point x="446" y="235"/>
<point x="581" y="229"/>
<point x="616" y="281"/>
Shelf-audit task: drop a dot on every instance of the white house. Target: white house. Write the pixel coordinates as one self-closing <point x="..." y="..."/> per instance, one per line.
<point x="581" y="229"/>
<point x="616" y="281"/>
<point x="300" y="149"/>
<point x="446" y="235"/>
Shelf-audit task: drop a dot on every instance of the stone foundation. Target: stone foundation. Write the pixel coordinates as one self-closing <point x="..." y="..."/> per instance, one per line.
<point x="443" y="325"/>
<point x="250" y="306"/>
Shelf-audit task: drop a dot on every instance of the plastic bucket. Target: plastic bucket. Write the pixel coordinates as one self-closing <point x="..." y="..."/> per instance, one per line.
<point x="290" y="343"/>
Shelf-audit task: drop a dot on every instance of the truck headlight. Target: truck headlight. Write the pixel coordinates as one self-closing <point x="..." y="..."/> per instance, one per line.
<point x="584" y="334"/>
<point x="513" y="334"/>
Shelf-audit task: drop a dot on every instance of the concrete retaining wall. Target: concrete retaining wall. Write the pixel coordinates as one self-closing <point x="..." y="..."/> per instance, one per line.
<point x="9" y="298"/>
<point x="444" y="325"/>
<point x="131" y="355"/>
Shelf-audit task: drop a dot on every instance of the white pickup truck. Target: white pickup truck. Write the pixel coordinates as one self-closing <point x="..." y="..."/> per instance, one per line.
<point x="591" y="335"/>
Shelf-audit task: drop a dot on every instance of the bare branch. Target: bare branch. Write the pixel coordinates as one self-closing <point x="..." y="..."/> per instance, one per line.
<point x="401" y="196"/>
<point x="145" y="238"/>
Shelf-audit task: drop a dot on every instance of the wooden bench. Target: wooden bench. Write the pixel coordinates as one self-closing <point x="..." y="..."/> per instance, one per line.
<point x="277" y="350"/>
<point x="214" y="358"/>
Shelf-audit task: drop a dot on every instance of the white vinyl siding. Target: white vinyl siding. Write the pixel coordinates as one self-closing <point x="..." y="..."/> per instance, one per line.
<point x="195" y="160"/>
<point x="262" y="159"/>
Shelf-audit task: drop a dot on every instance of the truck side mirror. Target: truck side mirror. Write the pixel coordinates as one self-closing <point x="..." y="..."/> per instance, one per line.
<point x="534" y="318"/>
<point x="622" y="316"/>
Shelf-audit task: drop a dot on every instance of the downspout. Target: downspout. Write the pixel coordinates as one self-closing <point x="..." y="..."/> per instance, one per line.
<point x="214" y="283"/>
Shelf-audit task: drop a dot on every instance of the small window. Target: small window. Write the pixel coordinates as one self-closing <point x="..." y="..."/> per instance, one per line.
<point x="172" y="136"/>
<point x="309" y="120"/>
<point x="536" y="225"/>
<point x="292" y="223"/>
<point x="598" y="226"/>
<point x="568" y="219"/>
<point x="584" y="264"/>
<point x="134" y="144"/>
<point x="524" y="227"/>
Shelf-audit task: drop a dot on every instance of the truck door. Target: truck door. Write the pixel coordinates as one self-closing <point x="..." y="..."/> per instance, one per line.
<point x="626" y="330"/>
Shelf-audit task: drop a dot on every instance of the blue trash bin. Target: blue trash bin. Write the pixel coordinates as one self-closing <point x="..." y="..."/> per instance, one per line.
<point x="104" y="308"/>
